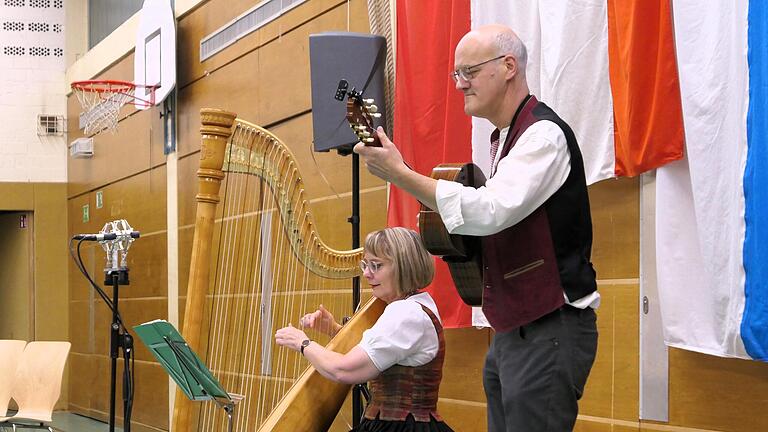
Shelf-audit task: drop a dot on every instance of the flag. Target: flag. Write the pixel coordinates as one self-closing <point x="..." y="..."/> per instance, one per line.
<point x="606" y="67"/>
<point x="430" y="126"/>
<point x="712" y="240"/>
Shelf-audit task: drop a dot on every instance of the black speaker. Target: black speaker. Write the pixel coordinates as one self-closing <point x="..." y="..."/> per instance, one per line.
<point x="360" y="60"/>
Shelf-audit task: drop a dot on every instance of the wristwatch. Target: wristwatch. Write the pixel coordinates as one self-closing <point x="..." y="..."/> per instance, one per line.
<point x="304" y="344"/>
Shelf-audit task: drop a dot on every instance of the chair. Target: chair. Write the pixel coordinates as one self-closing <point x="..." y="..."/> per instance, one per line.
<point x="10" y="354"/>
<point x="37" y="385"/>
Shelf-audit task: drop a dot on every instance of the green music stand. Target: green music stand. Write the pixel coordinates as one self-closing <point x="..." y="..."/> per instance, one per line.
<point x="185" y="367"/>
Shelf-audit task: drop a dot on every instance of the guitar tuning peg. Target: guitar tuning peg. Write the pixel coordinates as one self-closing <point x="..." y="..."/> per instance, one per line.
<point x="362" y="127"/>
<point x="368" y="101"/>
<point x="376" y="115"/>
<point x="373" y="109"/>
<point x="368" y="140"/>
<point x="366" y="134"/>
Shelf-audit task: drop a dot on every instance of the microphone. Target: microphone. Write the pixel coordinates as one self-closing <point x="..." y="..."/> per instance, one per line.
<point x="106" y="236"/>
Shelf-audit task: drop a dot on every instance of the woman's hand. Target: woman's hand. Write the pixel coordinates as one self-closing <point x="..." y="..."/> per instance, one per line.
<point x="322" y="321"/>
<point x="290" y="337"/>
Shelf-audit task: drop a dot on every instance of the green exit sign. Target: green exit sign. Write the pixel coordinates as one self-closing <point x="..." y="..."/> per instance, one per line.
<point x="86" y="213"/>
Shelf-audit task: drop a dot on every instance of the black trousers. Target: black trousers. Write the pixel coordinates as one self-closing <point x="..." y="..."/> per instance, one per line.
<point x="534" y="375"/>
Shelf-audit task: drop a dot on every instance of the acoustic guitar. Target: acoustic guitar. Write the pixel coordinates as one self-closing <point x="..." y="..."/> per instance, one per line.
<point x="461" y="253"/>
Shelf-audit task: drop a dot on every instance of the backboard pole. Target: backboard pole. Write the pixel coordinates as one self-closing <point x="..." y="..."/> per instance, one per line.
<point x="169" y="123"/>
<point x="172" y="205"/>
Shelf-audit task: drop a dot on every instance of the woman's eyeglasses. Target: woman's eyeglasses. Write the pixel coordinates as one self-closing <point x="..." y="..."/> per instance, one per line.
<point x="373" y="266"/>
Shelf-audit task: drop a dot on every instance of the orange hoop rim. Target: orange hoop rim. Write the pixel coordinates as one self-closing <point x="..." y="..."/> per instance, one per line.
<point x="115" y="87"/>
<point x="103" y="85"/>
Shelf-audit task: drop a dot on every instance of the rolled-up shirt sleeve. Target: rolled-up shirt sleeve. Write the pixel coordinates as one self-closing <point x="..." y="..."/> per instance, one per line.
<point x="534" y="169"/>
<point x="404" y="335"/>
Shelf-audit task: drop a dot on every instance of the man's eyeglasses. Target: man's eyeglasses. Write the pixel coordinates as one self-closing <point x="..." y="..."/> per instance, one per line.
<point x="466" y="73"/>
<point x="374" y="266"/>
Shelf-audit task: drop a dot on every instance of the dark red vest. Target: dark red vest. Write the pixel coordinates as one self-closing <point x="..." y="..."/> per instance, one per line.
<point x="528" y="266"/>
<point x="402" y="390"/>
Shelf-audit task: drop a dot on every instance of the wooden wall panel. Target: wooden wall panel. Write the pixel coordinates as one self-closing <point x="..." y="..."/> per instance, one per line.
<point x="612" y="388"/>
<point x="463" y="416"/>
<point x="135" y="147"/>
<point x="463" y="366"/>
<point x="716" y="393"/>
<point x="201" y="23"/>
<point x="611" y="394"/>
<point x="616" y="228"/>
<point x="140" y="199"/>
<point x="264" y="85"/>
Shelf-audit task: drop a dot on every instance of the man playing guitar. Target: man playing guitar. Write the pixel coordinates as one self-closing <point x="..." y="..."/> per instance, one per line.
<point x="533" y="217"/>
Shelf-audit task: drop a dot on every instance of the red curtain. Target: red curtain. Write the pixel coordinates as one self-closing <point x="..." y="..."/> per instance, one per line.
<point x="430" y="126"/>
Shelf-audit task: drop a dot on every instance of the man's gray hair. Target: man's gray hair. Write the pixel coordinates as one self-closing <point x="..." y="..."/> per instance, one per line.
<point x="509" y="43"/>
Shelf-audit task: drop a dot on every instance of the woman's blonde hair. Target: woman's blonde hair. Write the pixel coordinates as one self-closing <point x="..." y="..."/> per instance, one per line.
<point x="413" y="265"/>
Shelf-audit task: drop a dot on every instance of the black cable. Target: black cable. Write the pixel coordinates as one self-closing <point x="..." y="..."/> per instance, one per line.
<point x="128" y="383"/>
<point x="79" y="262"/>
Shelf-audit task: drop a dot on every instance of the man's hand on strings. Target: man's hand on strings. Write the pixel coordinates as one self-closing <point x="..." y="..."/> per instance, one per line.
<point x="321" y="320"/>
<point x="384" y="162"/>
<point x="290" y="337"/>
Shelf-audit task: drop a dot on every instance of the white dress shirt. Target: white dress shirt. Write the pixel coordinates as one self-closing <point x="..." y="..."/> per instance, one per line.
<point x="404" y="334"/>
<point x="533" y="170"/>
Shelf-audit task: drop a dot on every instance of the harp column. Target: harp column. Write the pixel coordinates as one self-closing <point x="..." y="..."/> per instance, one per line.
<point x="215" y="132"/>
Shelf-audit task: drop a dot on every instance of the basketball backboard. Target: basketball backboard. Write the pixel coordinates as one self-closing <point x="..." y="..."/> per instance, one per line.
<point x="155" y="56"/>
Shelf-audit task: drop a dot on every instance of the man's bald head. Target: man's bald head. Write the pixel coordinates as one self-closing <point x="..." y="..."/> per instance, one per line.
<point x="495" y="40"/>
<point x="490" y="71"/>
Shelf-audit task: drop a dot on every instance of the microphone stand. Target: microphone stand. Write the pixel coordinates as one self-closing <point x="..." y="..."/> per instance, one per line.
<point x="119" y="340"/>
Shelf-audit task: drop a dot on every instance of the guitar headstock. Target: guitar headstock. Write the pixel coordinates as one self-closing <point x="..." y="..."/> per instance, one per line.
<point x="360" y="115"/>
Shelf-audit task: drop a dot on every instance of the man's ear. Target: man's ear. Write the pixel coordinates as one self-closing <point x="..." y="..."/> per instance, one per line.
<point x="511" y="63"/>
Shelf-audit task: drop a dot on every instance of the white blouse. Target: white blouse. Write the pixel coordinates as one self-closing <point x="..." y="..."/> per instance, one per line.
<point x="404" y="334"/>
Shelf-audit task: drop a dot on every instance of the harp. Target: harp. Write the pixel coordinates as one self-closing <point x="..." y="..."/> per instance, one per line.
<point x="257" y="264"/>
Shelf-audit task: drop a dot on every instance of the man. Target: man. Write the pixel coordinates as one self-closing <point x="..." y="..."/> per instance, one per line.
<point x="534" y="218"/>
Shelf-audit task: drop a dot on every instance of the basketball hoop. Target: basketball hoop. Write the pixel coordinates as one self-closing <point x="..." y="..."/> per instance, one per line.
<point x="102" y="99"/>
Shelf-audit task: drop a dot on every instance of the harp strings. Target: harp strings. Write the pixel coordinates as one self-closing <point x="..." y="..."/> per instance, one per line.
<point x="260" y="281"/>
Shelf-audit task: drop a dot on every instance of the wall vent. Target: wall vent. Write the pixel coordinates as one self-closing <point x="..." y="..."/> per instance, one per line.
<point x="48" y="125"/>
<point x="253" y="19"/>
<point x="81" y="148"/>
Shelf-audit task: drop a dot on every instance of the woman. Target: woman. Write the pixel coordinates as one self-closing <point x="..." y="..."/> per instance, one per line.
<point x="402" y="354"/>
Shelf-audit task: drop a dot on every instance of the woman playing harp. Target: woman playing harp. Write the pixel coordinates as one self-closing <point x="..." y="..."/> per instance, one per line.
<point x="402" y="354"/>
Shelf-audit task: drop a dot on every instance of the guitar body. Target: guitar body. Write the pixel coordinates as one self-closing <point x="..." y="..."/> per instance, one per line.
<point x="462" y="253"/>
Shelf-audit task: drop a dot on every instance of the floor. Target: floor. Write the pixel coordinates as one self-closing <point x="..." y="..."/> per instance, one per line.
<point x="68" y="422"/>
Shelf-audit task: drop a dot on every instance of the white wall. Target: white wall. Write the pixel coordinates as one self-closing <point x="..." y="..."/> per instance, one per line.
<point x="32" y="65"/>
